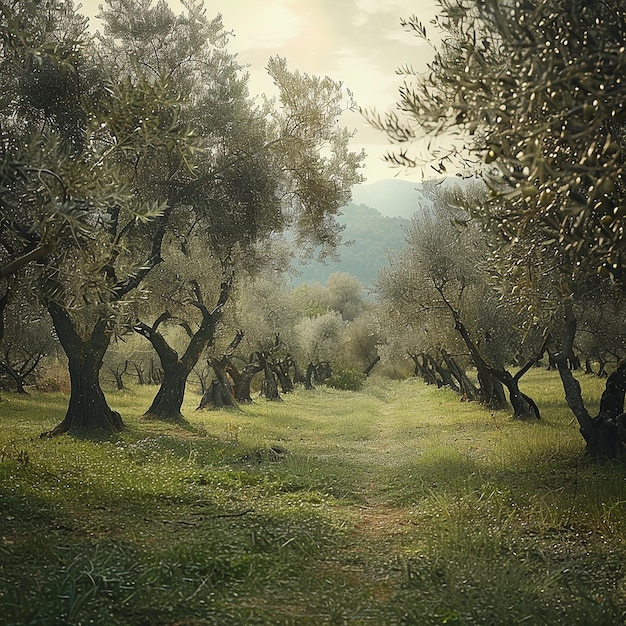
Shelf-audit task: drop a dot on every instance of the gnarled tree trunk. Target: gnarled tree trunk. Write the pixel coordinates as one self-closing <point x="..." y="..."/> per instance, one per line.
<point x="491" y="391"/>
<point x="603" y="434"/>
<point x="423" y="368"/>
<point x="281" y="370"/>
<point x="219" y="393"/>
<point x="168" y="401"/>
<point x="466" y="387"/>
<point x="88" y="410"/>
<point x="244" y="382"/>
<point x="491" y="378"/>
<point x="444" y="373"/>
<point x="269" y="388"/>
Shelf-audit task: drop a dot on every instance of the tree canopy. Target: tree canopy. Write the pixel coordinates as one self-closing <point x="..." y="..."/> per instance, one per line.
<point x="143" y="144"/>
<point x="532" y="92"/>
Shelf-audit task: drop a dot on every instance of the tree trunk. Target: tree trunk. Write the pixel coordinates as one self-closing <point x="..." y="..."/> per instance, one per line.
<point x="241" y="381"/>
<point x="88" y="410"/>
<point x="219" y="393"/>
<point x="466" y="386"/>
<point x="118" y="375"/>
<point x="523" y="406"/>
<point x="141" y="380"/>
<point x="367" y="371"/>
<point x="4" y="302"/>
<point x="604" y="434"/>
<point x="155" y="374"/>
<point x="322" y="372"/>
<point x="308" y="379"/>
<point x="416" y="365"/>
<point x="298" y="377"/>
<point x="283" y="376"/>
<point x="491" y="389"/>
<point x="168" y="402"/>
<point x="269" y="388"/>
<point x="242" y="387"/>
<point x="119" y="381"/>
<point x="202" y="377"/>
<point x="426" y="371"/>
<point x="491" y="379"/>
<point x="15" y="376"/>
<point x="444" y="374"/>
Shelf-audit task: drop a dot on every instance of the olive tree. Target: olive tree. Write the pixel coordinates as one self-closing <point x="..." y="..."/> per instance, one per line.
<point x="258" y="170"/>
<point x="67" y="126"/>
<point x="320" y="339"/>
<point x="445" y="273"/>
<point x="529" y="91"/>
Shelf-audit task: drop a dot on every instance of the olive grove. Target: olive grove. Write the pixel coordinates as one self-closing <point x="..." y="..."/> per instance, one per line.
<point x="150" y="147"/>
<point x="528" y="96"/>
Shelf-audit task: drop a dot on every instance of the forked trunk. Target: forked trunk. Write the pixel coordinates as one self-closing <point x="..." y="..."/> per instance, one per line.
<point x="423" y="369"/>
<point x="491" y="389"/>
<point x="282" y="374"/>
<point x="168" y="402"/>
<point x="492" y="379"/>
<point x="88" y="410"/>
<point x="603" y="434"/>
<point x="523" y="406"/>
<point x="269" y="388"/>
<point x="243" y="385"/>
<point x="466" y="387"/>
<point x="17" y="378"/>
<point x="219" y="392"/>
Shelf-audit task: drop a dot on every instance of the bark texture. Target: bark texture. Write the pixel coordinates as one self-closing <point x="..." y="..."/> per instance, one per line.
<point x="605" y="434"/>
<point x="168" y="402"/>
<point x="88" y="410"/>
<point x="220" y="391"/>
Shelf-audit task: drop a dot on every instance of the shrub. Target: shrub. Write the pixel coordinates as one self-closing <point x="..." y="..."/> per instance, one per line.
<point x="347" y="380"/>
<point x="53" y="377"/>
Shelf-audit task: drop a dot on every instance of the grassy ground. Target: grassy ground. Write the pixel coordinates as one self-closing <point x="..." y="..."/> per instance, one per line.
<point x="395" y="505"/>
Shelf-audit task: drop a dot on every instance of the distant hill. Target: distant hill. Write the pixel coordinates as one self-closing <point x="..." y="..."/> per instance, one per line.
<point x="391" y="198"/>
<point x="374" y="221"/>
<point x="369" y="235"/>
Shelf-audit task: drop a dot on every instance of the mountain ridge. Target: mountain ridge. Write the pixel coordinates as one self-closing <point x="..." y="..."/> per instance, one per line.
<point x="374" y="223"/>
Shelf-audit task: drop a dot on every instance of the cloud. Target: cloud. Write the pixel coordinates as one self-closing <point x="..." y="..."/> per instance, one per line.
<point x="265" y="26"/>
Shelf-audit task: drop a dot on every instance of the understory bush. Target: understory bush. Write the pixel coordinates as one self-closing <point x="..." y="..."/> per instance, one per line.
<point x="346" y="380"/>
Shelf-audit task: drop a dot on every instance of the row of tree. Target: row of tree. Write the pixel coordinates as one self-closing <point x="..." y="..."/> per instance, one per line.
<point x="142" y="184"/>
<point x="528" y="97"/>
<point x="308" y="335"/>
<point x="144" y="192"/>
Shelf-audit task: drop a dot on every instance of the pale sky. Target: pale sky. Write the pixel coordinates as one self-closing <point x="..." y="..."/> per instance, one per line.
<point x="357" y="42"/>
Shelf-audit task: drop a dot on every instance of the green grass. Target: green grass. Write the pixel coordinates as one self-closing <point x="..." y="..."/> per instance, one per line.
<point x="396" y="504"/>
